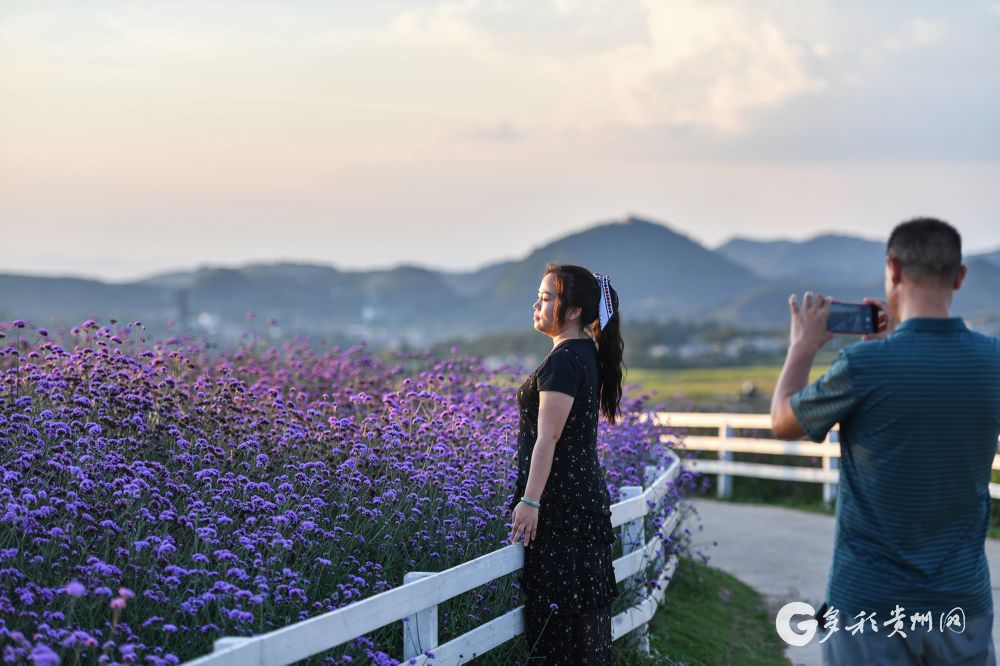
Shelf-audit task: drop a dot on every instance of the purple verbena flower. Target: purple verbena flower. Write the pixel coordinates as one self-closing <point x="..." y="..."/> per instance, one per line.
<point x="42" y="655"/>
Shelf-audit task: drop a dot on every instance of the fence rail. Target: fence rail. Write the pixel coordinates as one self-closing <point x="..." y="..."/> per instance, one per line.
<point x="725" y="444"/>
<point x="415" y="602"/>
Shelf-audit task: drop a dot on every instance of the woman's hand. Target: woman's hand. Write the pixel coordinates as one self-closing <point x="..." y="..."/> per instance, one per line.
<point x="524" y="524"/>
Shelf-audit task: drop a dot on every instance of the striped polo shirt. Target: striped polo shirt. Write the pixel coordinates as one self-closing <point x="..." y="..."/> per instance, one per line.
<point x="919" y="415"/>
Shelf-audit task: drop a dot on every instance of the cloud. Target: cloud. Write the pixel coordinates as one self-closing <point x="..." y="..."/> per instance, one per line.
<point x="445" y="24"/>
<point x="918" y="33"/>
<point x="500" y="132"/>
<point x="289" y="92"/>
<point x="679" y="63"/>
<point x="712" y="65"/>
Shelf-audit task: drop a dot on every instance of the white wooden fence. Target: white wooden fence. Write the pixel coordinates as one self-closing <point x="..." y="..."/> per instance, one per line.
<point x="415" y="602"/>
<point x="725" y="444"/>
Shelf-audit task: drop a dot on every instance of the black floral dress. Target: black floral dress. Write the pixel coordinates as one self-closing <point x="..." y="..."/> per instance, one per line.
<point x="568" y="579"/>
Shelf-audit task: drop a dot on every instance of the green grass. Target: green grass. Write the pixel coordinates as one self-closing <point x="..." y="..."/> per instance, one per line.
<point x="711" y="387"/>
<point x="710" y="618"/>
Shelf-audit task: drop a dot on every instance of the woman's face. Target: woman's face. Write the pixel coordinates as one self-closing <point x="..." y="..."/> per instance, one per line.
<point x="545" y="306"/>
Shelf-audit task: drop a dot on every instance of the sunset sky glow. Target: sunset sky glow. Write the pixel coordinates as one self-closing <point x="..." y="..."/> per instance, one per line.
<point x="137" y="137"/>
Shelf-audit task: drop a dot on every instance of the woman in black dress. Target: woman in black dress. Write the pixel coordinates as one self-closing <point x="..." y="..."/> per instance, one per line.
<point x="561" y="506"/>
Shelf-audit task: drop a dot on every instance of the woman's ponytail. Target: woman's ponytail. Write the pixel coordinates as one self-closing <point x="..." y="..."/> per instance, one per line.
<point x="610" y="349"/>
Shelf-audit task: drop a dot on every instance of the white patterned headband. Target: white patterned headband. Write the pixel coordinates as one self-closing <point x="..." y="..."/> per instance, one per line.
<point x="605" y="310"/>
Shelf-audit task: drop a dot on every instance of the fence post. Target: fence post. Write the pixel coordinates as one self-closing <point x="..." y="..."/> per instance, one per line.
<point x="652" y="472"/>
<point x="724" y="482"/>
<point x="420" y="631"/>
<point x="830" y="463"/>
<point x="633" y="536"/>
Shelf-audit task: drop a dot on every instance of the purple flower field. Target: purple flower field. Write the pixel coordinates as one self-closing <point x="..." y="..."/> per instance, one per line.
<point x="157" y="496"/>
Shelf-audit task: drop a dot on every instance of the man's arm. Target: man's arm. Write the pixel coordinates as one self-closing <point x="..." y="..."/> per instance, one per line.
<point x="794" y="377"/>
<point x="808" y="334"/>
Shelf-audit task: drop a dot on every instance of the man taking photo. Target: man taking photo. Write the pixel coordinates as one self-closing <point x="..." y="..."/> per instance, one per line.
<point x="918" y="405"/>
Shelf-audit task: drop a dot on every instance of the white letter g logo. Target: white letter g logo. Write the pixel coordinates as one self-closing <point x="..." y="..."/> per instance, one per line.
<point x="784" y="626"/>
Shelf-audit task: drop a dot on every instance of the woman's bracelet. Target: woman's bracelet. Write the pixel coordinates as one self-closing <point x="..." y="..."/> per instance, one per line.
<point x="531" y="502"/>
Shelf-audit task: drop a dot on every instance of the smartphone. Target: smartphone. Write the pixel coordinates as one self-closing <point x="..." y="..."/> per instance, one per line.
<point x="855" y="318"/>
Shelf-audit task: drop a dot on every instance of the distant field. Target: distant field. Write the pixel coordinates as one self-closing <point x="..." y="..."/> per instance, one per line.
<point x="711" y="387"/>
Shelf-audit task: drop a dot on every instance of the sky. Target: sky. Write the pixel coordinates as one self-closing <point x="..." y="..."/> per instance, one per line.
<point x="142" y="136"/>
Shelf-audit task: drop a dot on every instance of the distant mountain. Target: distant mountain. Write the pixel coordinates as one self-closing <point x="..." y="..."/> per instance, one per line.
<point x="72" y="300"/>
<point x="768" y="303"/>
<point x="312" y="296"/>
<point x="990" y="257"/>
<point x="175" y="279"/>
<point x="471" y="283"/>
<point x="659" y="273"/>
<point x="833" y="257"/>
<point x="980" y="293"/>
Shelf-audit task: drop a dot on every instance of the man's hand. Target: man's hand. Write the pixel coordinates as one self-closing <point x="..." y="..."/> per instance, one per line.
<point x="808" y="334"/>
<point x="809" y="322"/>
<point x="886" y="322"/>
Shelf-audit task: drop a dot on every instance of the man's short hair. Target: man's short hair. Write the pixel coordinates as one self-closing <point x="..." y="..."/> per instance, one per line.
<point x="928" y="250"/>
